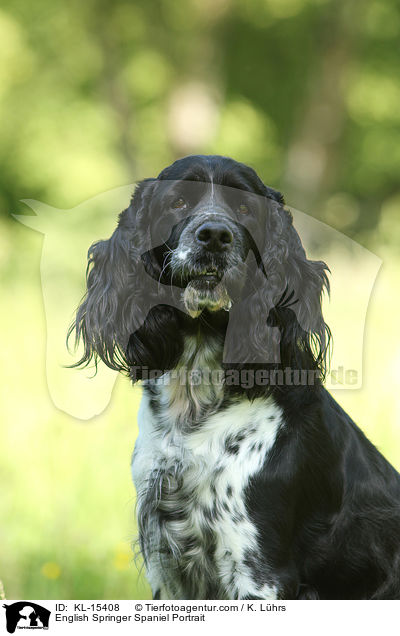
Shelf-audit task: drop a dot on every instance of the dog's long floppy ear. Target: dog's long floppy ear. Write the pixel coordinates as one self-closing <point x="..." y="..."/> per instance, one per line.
<point x="295" y="287"/>
<point x="108" y="313"/>
<point x="280" y="321"/>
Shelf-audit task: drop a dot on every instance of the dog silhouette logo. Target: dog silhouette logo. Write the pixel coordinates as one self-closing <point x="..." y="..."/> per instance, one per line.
<point x="26" y="615"/>
<point x="68" y="234"/>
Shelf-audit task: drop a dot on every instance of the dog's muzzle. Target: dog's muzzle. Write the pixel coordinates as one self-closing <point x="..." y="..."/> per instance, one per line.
<point x="203" y="256"/>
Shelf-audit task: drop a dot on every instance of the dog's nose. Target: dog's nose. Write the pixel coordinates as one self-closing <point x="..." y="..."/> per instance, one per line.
<point x="214" y="236"/>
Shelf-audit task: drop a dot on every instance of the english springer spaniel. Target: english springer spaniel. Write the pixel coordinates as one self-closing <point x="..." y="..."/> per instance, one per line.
<point x="252" y="482"/>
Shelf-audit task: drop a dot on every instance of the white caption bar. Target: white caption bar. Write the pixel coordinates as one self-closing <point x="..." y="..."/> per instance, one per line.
<point x="113" y="617"/>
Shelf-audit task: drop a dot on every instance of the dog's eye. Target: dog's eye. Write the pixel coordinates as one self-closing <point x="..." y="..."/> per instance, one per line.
<point x="179" y="204"/>
<point x="243" y="209"/>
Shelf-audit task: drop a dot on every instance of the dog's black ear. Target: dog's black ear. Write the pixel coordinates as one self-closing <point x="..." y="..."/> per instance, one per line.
<point x="280" y="321"/>
<point x="295" y="287"/>
<point x="108" y="313"/>
<point x="98" y="318"/>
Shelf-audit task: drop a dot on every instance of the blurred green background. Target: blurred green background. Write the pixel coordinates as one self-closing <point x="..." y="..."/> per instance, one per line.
<point x="96" y="95"/>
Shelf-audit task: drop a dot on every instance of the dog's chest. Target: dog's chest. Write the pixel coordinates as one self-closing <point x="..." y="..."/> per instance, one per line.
<point x="196" y="535"/>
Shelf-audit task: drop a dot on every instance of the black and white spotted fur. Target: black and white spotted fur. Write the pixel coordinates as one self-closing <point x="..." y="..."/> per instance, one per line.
<point x="196" y="534"/>
<point x="244" y="490"/>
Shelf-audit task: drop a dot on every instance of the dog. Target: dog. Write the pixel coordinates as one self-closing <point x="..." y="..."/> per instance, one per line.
<point x="252" y="482"/>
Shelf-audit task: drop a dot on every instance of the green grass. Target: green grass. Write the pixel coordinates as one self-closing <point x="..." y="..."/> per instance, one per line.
<point x="67" y="501"/>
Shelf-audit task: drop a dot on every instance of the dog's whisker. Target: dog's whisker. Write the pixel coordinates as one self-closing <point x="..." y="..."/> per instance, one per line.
<point x="165" y="265"/>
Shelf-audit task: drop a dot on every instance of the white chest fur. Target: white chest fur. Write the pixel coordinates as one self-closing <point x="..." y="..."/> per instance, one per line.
<point x="195" y="532"/>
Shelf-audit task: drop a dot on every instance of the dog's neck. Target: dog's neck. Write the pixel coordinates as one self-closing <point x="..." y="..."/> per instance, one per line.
<point x="194" y="388"/>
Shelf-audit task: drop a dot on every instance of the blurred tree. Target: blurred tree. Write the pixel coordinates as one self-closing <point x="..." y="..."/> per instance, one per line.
<point x="97" y="94"/>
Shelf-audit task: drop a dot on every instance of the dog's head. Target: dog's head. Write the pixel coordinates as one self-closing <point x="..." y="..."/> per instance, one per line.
<point x="204" y="237"/>
<point x="203" y="215"/>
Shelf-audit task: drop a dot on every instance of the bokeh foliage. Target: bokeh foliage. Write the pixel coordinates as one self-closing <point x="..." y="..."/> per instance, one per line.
<point x="97" y="94"/>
